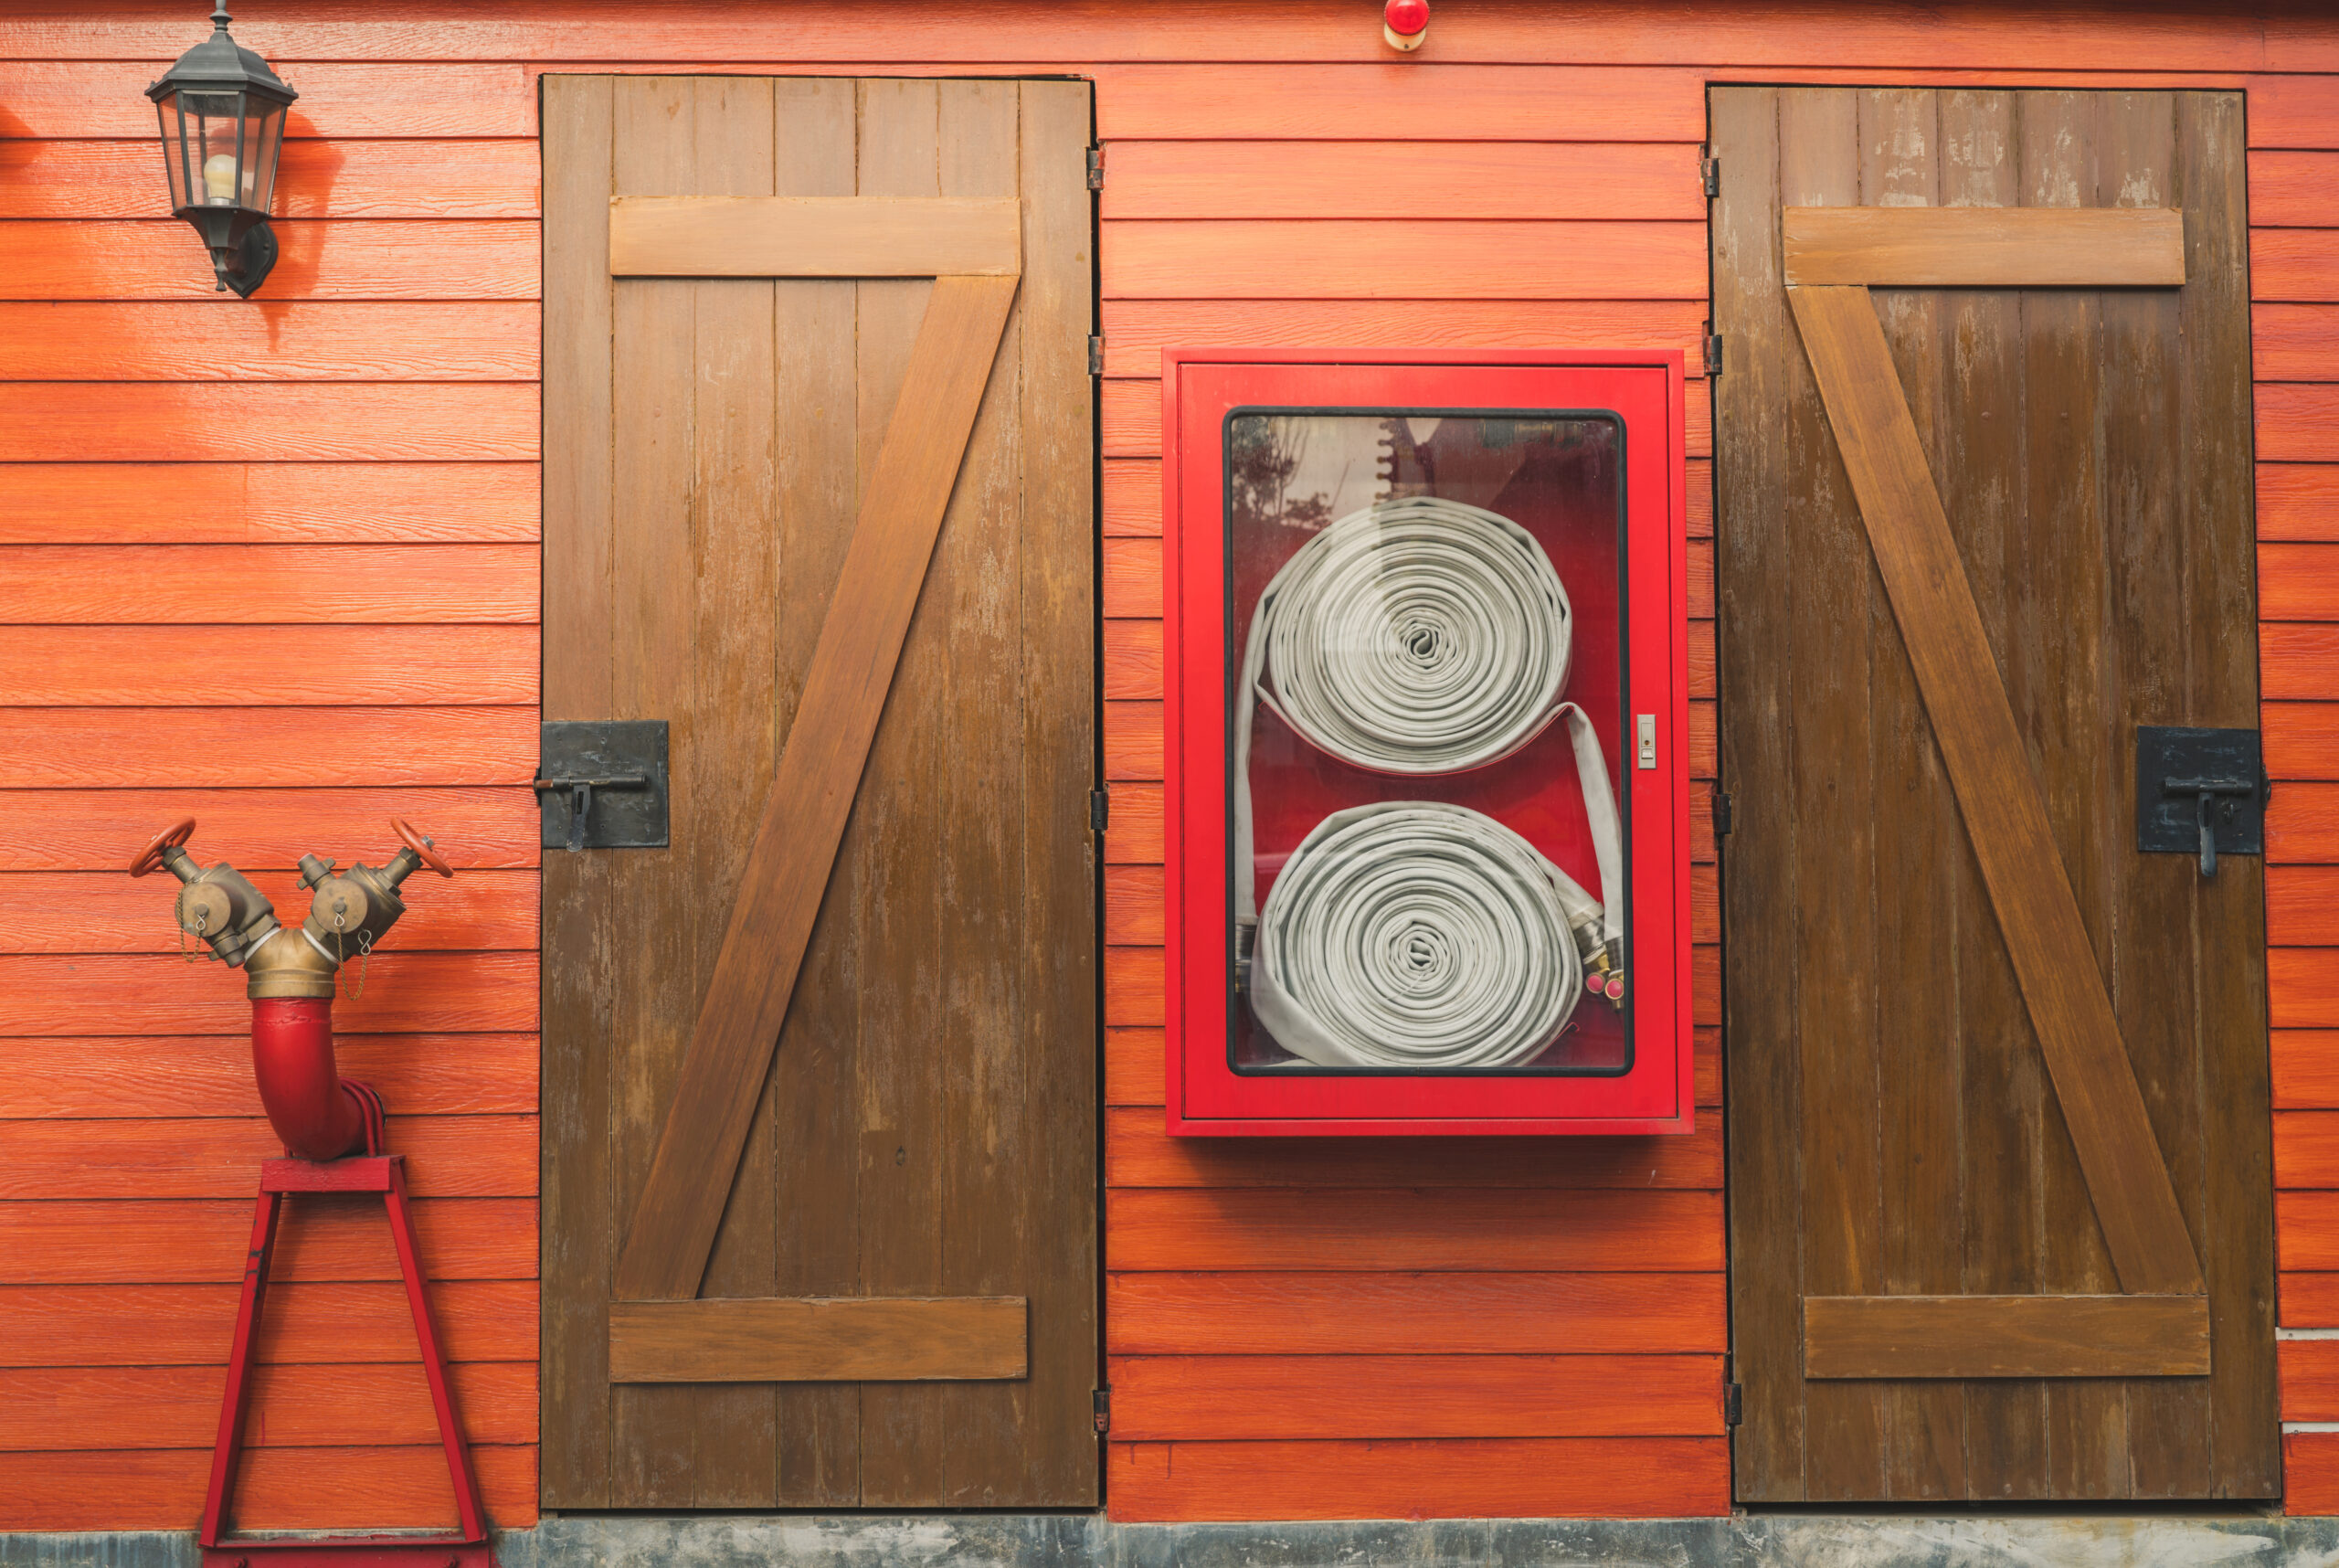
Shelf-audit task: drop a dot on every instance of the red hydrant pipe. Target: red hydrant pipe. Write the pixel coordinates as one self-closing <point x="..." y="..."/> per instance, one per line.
<point x="317" y="1114"/>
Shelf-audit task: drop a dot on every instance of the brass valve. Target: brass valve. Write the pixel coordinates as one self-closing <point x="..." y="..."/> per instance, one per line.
<point x="348" y="913"/>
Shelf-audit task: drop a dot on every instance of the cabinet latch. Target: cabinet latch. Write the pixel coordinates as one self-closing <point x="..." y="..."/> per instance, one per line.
<point x="601" y="784"/>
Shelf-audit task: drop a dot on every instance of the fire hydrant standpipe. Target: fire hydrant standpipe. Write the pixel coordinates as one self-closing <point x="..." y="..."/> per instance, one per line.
<point x="334" y="1129"/>
<point x="291" y="976"/>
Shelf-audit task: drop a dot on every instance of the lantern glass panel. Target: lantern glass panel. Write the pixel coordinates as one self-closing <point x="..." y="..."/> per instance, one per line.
<point x="220" y="148"/>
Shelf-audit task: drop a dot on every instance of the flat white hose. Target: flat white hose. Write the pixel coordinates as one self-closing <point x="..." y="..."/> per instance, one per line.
<point x="1418" y="636"/>
<point x="1419" y="935"/>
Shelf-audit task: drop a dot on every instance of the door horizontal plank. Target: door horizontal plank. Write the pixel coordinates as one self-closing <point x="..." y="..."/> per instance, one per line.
<point x="814" y="237"/>
<point x="2006" y="1336"/>
<point x="1984" y="248"/>
<point x="820" y="1339"/>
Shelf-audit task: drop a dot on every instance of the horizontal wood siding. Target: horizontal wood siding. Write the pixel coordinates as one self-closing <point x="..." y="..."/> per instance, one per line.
<point x="197" y="486"/>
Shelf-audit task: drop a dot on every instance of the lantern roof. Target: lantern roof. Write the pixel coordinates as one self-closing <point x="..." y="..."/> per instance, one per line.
<point x="221" y="64"/>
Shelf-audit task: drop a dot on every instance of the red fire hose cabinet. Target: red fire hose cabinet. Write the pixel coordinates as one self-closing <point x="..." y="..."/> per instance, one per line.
<point x="1427" y="734"/>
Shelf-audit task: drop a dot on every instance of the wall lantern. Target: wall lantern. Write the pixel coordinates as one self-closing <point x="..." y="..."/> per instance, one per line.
<point x="222" y="113"/>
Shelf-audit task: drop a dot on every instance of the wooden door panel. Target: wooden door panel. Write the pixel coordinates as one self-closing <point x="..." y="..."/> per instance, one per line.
<point x="820" y="1078"/>
<point x="1897" y="1140"/>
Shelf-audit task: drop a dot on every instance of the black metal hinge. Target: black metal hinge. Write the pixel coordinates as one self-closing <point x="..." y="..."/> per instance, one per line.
<point x="1709" y="176"/>
<point x="1096" y="168"/>
<point x="1733" y="1404"/>
<point x="1095" y="355"/>
<point x="1722" y="813"/>
<point x="1713" y="354"/>
<point x="1102" y="1402"/>
<point x="1100" y="810"/>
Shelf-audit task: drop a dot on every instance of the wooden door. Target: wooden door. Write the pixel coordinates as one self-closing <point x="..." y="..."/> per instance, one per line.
<point x="2000" y="1209"/>
<point x="819" y="492"/>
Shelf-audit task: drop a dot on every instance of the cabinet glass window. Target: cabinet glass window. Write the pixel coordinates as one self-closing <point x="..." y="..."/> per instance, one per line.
<point x="1427" y="734"/>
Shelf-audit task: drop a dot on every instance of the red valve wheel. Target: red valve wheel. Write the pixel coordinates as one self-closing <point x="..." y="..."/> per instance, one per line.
<point x="420" y="846"/>
<point x="150" y="857"/>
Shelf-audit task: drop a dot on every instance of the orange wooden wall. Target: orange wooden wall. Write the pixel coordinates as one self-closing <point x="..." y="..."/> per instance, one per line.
<point x="275" y="564"/>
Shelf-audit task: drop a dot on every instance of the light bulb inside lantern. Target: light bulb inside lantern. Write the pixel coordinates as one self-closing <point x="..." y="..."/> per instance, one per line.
<point x="219" y="178"/>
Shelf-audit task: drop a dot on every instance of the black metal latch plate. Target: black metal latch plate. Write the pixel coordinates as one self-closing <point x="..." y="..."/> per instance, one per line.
<point x="2176" y="769"/>
<point x="616" y="770"/>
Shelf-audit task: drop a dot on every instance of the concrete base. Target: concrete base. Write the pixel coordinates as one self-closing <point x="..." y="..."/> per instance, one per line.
<point x="1085" y="1541"/>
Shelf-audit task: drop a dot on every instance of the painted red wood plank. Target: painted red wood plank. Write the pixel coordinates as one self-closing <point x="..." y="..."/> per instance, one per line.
<point x="205" y="585"/>
<point x="130" y="748"/>
<point x="2306" y="1149"/>
<point x="341" y="179"/>
<point x="1136" y="835"/>
<point x="2299" y="661"/>
<point x="1700" y="498"/>
<point x="1133" y="740"/>
<point x="142" y="994"/>
<point x="2302" y="740"/>
<point x="1286" y="1397"/>
<point x="2303" y="905"/>
<point x="1163" y="1228"/>
<point x="276" y="1489"/>
<point x="1136" y="331"/>
<point x="1130" y="502"/>
<point x="1133" y="659"/>
<point x="296" y="1406"/>
<point x="1415" y="1314"/>
<point x="133" y="666"/>
<point x="2302" y="823"/>
<point x="2302" y="987"/>
<point x="211" y="1074"/>
<point x="2310" y="1379"/>
<point x="1308" y="30"/>
<point x="268" y="830"/>
<point x="2294" y="111"/>
<point x="1549" y="1477"/>
<point x="1349" y="259"/>
<point x="51" y="99"/>
<point x="2306" y="1069"/>
<point x="2306" y="1230"/>
<point x="145" y="1240"/>
<point x="2292" y="264"/>
<point x="160" y="1325"/>
<point x="1395" y="178"/>
<point x="159" y="1157"/>
<point x="2311" y="1472"/>
<point x="478" y="340"/>
<point x="1134" y="916"/>
<point x="404" y="258"/>
<point x="1419" y="103"/>
<point x="2299" y="582"/>
<point x="1133" y="983"/>
<point x="2294" y="189"/>
<point x="1701" y="579"/>
<point x="199" y="421"/>
<point x="2298" y="501"/>
<point x="98" y="504"/>
<point x="1701" y="659"/>
<point x="2292" y="343"/>
<point x="1704" y="740"/>
<point x="1132" y="581"/>
<point x="1705" y="984"/>
<point x="2310" y="1300"/>
<point x="106" y="912"/>
<point x="1138" y="1153"/>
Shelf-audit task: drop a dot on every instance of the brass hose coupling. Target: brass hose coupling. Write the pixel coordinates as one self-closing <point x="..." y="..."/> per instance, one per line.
<point x="348" y="913"/>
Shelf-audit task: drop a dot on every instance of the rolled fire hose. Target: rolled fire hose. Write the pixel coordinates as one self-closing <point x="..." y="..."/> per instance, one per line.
<point x="1419" y="637"/>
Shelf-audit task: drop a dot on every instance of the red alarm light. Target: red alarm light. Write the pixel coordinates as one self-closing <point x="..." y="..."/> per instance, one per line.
<point x="1405" y="23"/>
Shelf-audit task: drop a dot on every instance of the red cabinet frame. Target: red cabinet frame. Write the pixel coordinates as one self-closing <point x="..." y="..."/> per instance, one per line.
<point x="1207" y="1095"/>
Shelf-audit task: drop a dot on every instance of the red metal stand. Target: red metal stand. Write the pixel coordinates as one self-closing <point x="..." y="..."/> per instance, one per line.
<point x="373" y="1171"/>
